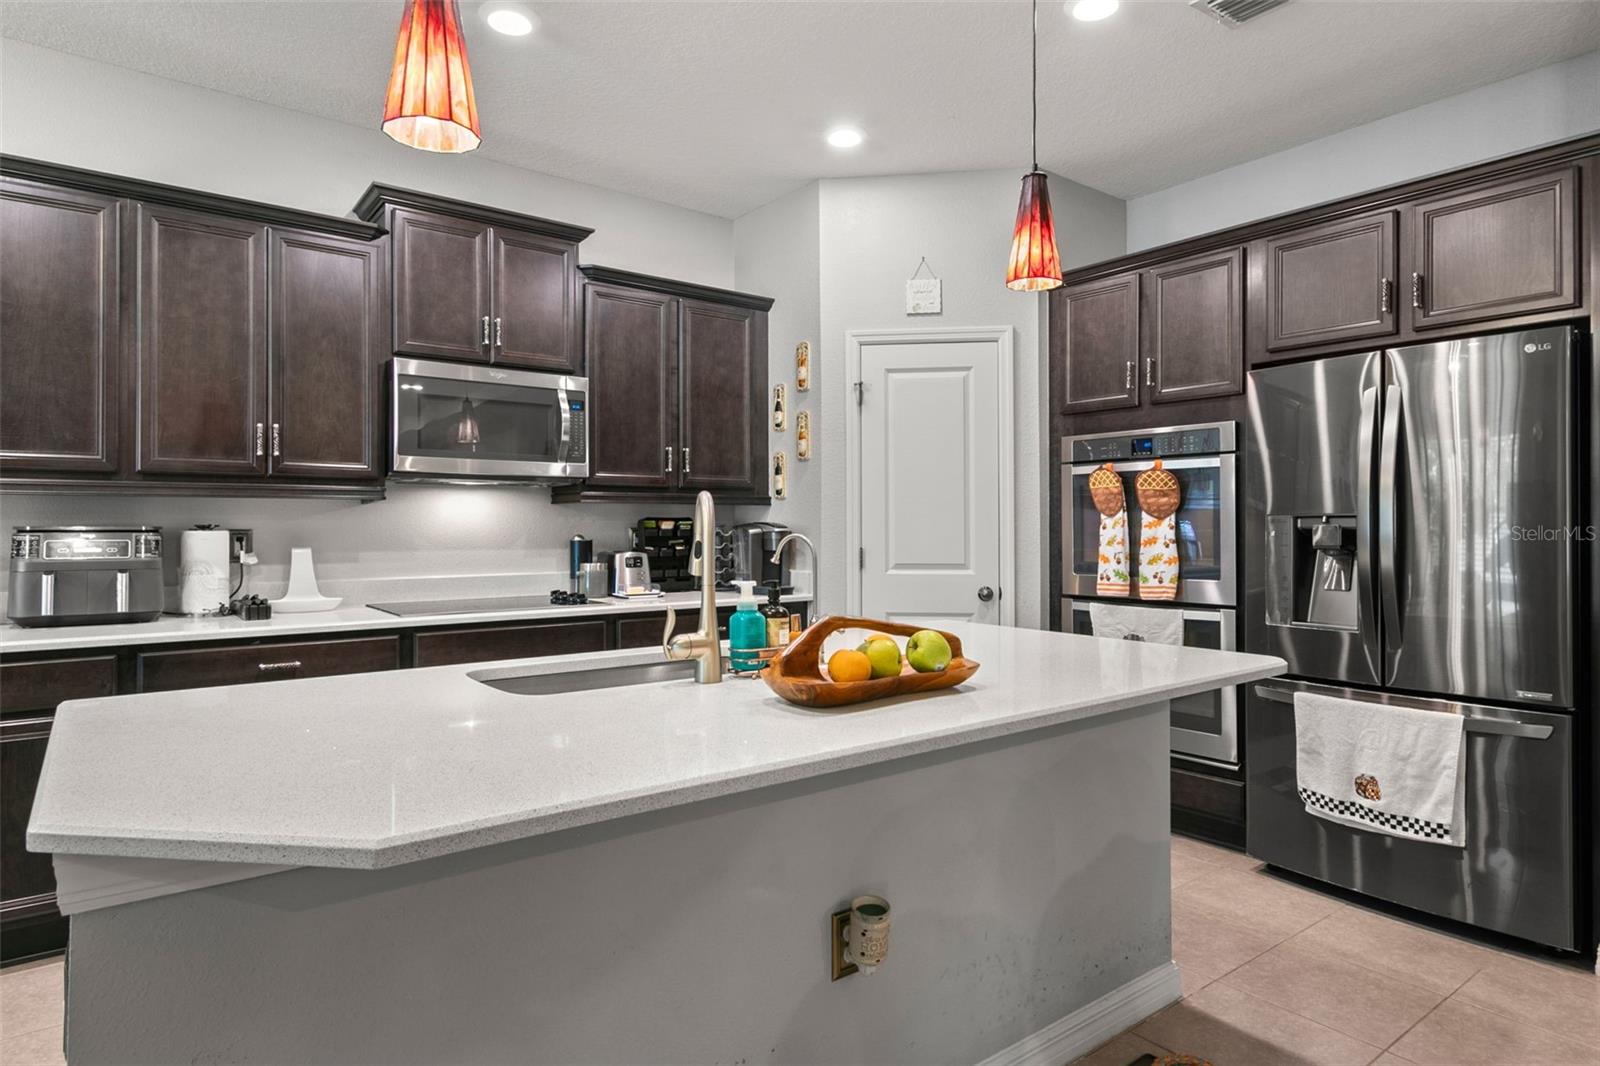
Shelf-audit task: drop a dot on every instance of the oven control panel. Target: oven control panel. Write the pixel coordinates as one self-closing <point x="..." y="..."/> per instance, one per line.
<point x="1210" y="439"/>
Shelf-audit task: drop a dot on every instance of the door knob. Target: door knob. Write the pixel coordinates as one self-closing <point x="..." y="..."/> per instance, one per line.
<point x="986" y="594"/>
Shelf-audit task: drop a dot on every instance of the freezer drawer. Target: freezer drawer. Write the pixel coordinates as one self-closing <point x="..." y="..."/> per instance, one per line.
<point x="1515" y="874"/>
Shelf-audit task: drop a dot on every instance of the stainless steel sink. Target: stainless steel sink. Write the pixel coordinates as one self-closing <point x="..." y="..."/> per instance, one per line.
<point x="585" y="680"/>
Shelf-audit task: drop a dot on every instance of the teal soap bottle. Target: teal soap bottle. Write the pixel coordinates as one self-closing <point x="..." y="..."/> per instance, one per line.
<point x="747" y="632"/>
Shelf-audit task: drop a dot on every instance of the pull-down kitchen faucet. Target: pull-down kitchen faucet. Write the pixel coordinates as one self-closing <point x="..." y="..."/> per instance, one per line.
<point x="704" y="645"/>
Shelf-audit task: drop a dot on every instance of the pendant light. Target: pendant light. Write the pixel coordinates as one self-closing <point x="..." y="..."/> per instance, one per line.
<point x="1035" y="261"/>
<point x="430" y="103"/>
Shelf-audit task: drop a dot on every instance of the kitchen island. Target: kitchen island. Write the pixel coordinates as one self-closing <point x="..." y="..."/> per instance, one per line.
<point x="419" y="867"/>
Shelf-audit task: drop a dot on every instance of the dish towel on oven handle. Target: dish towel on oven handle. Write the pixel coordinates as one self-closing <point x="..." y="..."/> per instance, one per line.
<point x="1111" y="573"/>
<point x="1159" y="496"/>
<point x="1385" y="769"/>
<point x="1151" y="625"/>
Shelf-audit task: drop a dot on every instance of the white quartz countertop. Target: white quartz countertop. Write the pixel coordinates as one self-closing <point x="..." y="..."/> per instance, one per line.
<point x="176" y="629"/>
<point x="375" y="770"/>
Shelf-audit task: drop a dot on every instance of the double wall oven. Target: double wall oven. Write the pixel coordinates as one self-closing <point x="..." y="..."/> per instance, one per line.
<point x="1202" y="457"/>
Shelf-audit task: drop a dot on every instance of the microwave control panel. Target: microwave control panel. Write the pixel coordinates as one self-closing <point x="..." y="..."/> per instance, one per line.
<point x="1183" y="440"/>
<point x="578" y="411"/>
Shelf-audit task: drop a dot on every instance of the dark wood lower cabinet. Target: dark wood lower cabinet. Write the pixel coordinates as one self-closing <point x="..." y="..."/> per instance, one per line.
<point x="644" y="630"/>
<point x="163" y="671"/>
<point x="480" y="644"/>
<point x="1208" y="805"/>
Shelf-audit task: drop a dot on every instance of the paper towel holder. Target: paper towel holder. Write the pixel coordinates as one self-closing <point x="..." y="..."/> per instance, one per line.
<point x="303" y="595"/>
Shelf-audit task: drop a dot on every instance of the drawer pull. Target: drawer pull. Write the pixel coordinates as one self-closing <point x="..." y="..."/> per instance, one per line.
<point x="271" y="668"/>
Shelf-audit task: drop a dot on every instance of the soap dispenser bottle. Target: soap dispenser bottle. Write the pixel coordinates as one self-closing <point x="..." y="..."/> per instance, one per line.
<point x="747" y="632"/>
<point x="780" y="625"/>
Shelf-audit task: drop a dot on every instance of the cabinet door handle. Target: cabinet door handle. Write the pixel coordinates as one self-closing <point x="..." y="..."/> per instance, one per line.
<point x="686" y="460"/>
<point x="486" y="331"/>
<point x="498" y="343"/>
<point x="1416" y="291"/>
<point x="1150" y="372"/>
<point x="1127" y="377"/>
<point x="269" y="668"/>
<point x="669" y="458"/>
<point x="277" y="440"/>
<point x="1386" y="295"/>
<point x="261" y="440"/>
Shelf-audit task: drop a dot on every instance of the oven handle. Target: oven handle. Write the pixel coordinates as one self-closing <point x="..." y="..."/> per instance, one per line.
<point x="1213" y="461"/>
<point x="1496" y="726"/>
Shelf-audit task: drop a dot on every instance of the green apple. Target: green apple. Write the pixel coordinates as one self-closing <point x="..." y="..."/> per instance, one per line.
<point x="927" y="651"/>
<point x="884" y="655"/>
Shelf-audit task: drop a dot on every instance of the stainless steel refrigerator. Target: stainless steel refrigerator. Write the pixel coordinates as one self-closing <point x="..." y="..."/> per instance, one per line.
<point x="1411" y="540"/>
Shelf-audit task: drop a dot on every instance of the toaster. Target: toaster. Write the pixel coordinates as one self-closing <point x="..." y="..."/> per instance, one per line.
<point x="78" y="575"/>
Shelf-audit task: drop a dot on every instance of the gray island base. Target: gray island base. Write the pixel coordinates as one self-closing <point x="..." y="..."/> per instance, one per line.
<point x="1018" y="827"/>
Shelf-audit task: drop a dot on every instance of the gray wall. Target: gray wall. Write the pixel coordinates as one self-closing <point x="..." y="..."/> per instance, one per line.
<point x="1548" y="104"/>
<point x="873" y="233"/>
<point x="76" y="111"/>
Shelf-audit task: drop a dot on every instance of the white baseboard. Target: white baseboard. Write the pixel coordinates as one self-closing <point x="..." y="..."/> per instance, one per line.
<point x="1092" y="1024"/>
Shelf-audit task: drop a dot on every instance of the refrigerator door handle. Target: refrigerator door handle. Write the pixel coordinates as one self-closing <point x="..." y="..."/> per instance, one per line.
<point x="1499" y="727"/>
<point x="1388" y="532"/>
<point x="1366" y="588"/>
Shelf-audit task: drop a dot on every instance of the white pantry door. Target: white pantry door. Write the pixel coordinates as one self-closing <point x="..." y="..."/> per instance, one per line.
<point x="934" y="474"/>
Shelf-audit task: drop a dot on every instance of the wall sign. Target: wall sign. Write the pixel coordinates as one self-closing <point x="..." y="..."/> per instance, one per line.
<point x="924" y="296"/>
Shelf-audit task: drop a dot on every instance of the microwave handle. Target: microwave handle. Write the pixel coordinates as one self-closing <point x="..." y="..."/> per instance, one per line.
<point x="566" y="426"/>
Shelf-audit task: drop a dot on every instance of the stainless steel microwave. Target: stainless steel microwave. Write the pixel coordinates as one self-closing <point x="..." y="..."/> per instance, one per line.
<point x="459" y="421"/>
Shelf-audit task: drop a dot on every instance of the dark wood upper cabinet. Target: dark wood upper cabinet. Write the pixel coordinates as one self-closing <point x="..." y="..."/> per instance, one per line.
<point x="536" y="315"/>
<point x="327" y="343"/>
<point x="721" y="428"/>
<point x="1192" y="325"/>
<point x="1095" y="327"/>
<point x="202" y="343"/>
<point x="631" y="356"/>
<point x="441" y="285"/>
<point x="1504" y="248"/>
<point x="60" y="336"/>
<point x="1332" y="282"/>
<point x="478" y="283"/>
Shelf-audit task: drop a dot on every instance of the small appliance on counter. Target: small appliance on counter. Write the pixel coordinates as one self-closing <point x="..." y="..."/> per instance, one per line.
<point x="630" y="577"/>
<point x="203" y="576"/>
<point x="80" y="575"/>
<point x="752" y="546"/>
<point x="665" y="543"/>
<point x="580" y="553"/>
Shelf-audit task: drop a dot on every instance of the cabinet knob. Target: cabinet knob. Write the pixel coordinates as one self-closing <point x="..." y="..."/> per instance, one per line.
<point x="1127" y="377"/>
<point x="686" y="460"/>
<point x="668" y="466"/>
<point x="1150" y="371"/>
<point x="277" y="440"/>
<point x="498" y="343"/>
<point x="1416" y="291"/>
<point x="486" y="331"/>
<point x="1385" y="295"/>
<point x="261" y="438"/>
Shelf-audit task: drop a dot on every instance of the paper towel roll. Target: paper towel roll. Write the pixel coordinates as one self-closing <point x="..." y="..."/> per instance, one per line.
<point x="203" y="570"/>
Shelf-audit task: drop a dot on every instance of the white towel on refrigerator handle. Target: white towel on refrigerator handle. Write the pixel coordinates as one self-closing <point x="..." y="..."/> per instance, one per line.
<point x="1382" y="768"/>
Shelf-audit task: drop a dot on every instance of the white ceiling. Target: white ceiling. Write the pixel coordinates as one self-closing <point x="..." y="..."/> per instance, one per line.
<point x="722" y="106"/>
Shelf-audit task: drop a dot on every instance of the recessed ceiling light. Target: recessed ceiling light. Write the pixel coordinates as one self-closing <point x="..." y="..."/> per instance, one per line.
<point x="1092" y="10"/>
<point x="513" y="20"/>
<point x="844" y="137"/>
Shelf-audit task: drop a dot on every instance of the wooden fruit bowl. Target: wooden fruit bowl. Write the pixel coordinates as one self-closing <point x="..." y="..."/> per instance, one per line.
<point x="796" y="675"/>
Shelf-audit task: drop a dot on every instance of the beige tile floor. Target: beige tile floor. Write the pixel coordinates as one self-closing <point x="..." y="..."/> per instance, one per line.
<point x="1273" y="974"/>
<point x="1276" y="974"/>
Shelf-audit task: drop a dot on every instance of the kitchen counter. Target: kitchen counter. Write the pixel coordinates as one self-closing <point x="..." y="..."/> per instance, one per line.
<point x="375" y="770"/>
<point x="176" y="629"/>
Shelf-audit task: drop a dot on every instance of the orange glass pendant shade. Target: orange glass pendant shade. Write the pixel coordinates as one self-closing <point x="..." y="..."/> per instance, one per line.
<point x="430" y="103"/>
<point x="1035" y="262"/>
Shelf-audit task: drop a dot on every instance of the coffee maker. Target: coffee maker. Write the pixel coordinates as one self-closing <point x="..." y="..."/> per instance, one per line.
<point x="752" y="546"/>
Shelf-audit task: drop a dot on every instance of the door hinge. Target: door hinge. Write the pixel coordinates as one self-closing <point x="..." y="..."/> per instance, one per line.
<point x="861" y="558"/>
<point x="861" y="388"/>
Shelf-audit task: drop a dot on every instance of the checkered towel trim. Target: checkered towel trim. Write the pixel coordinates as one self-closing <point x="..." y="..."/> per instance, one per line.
<point x="1395" y="823"/>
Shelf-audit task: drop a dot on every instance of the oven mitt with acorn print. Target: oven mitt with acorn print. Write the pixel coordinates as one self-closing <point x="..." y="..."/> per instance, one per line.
<point x="1158" y="495"/>
<point x="1105" y="488"/>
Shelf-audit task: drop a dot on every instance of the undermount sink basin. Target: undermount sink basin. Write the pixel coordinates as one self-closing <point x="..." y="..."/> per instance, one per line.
<point x="585" y="680"/>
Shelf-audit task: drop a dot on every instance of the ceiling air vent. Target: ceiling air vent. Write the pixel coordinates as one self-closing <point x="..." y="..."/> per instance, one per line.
<point x="1233" y="12"/>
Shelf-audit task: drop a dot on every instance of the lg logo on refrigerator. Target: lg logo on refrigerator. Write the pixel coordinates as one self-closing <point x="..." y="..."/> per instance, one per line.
<point x="1530" y="347"/>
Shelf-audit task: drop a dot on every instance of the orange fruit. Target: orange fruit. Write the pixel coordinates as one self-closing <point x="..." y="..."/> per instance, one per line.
<point x="848" y="664"/>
